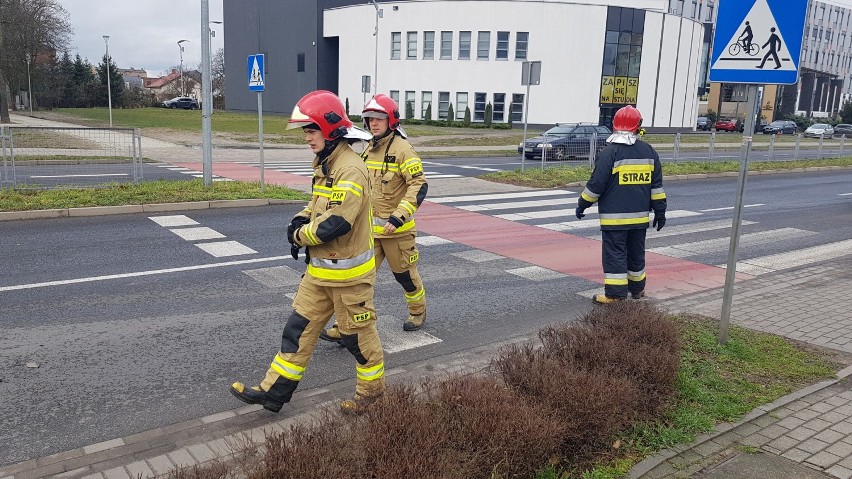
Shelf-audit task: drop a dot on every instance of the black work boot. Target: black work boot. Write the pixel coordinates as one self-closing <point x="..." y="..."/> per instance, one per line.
<point x="414" y="322"/>
<point x="331" y="334"/>
<point x="638" y="294"/>
<point x="255" y="395"/>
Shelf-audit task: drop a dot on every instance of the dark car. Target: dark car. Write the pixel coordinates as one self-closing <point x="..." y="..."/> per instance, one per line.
<point x="703" y="123"/>
<point x="781" y="127"/>
<point x="184" y="102"/>
<point x="843" y="129"/>
<point x="566" y="140"/>
<point x="727" y="124"/>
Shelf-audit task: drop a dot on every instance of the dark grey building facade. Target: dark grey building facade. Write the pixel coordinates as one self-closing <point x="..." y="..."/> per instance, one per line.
<point x="298" y="59"/>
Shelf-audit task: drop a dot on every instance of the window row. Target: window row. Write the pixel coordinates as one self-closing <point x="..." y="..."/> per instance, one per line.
<point x="464" y="47"/>
<point x="504" y="106"/>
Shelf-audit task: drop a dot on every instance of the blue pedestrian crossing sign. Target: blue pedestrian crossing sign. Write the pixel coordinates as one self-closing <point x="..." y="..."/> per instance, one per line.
<point x="758" y="41"/>
<point x="255" y="72"/>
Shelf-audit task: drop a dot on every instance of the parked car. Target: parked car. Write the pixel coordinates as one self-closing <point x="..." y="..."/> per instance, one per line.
<point x="818" y="130"/>
<point x="843" y="129"/>
<point x="184" y="102"/>
<point x="781" y="127"/>
<point x="727" y="124"/>
<point x="565" y="140"/>
<point x="703" y="123"/>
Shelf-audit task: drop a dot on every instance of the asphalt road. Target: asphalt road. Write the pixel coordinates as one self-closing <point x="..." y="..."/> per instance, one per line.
<point x="133" y="327"/>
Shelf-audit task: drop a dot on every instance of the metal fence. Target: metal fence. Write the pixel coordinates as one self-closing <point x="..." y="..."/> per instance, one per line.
<point x="48" y="157"/>
<point x="713" y="146"/>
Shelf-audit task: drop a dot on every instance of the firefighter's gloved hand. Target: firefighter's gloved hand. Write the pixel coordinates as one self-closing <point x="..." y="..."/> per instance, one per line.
<point x="659" y="220"/>
<point x="307" y="255"/>
<point x="579" y="212"/>
<point x="294" y="251"/>
<point x="296" y="223"/>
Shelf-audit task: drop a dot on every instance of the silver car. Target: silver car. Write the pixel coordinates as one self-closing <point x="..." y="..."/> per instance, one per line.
<point x="817" y="130"/>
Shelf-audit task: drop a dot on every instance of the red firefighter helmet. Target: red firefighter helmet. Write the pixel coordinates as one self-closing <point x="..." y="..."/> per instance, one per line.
<point x="627" y="119"/>
<point x="325" y="110"/>
<point x="383" y="106"/>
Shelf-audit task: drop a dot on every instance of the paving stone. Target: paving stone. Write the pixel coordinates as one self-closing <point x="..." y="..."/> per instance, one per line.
<point x="790" y="422"/>
<point x="829" y="436"/>
<point x="841" y="449"/>
<point x="117" y="473"/>
<point x="783" y="443"/>
<point x="801" y="433"/>
<point x="840" y="472"/>
<point x="139" y="468"/>
<point x="161" y="464"/>
<point x="823" y="459"/>
<point x="813" y="446"/>
<point x="775" y="431"/>
<point x="817" y="424"/>
<point x="201" y="452"/>
<point x="797" y="455"/>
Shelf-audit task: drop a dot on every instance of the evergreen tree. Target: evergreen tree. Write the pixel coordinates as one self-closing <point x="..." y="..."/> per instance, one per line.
<point x="846" y="112"/>
<point x="115" y="80"/>
<point x="489" y="114"/>
<point x="83" y="80"/>
<point x="450" y="116"/>
<point x="409" y="109"/>
<point x="66" y="78"/>
<point x="466" y="121"/>
<point x="428" y="114"/>
<point x="347" y="106"/>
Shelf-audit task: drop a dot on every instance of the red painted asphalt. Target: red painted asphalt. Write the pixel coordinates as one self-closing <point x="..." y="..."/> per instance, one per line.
<point x="568" y="254"/>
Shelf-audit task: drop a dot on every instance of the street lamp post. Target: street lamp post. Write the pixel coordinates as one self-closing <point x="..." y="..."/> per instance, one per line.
<point x="30" y="83"/>
<point x="376" y="60"/>
<point x="108" y="80"/>
<point x="181" y="65"/>
<point x="206" y="96"/>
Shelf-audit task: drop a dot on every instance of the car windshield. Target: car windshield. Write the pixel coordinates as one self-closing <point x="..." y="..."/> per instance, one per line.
<point x="177" y="98"/>
<point x="702" y="118"/>
<point x="779" y="124"/>
<point x="820" y="126"/>
<point x="561" y="130"/>
<point x="843" y="125"/>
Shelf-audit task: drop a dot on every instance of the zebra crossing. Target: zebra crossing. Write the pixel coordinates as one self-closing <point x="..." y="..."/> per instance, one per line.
<point x="190" y="171"/>
<point x="304" y="168"/>
<point x="698" y="235"/>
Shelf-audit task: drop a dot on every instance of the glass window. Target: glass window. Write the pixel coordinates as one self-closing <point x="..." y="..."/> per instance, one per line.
<point x="521" y="40"/>
<point x="464" y="45"/>
<point x="412" y="46"/>
<point x="409" y="104"/>
<point x="499" y="107"/>
<point x="443" y="104"/>
<point x="396" y="45"/>
<point x="483" y="45"/>
<point x="394" y="94"/>
<point x="446" y="45"/>
<point x="461" y="105"/>
<point x="479" y="106"/>
<point x="502" y="45"/>
<point x="610" y="58"/>
<point x="428" y="45"/>
<point x="425" y="102"/>
<point x="517" y="107"/>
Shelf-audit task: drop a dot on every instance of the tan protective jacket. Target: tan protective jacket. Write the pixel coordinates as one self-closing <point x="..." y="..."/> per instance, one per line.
<point x="399" y="184"/>
<point x="339" y="236"/>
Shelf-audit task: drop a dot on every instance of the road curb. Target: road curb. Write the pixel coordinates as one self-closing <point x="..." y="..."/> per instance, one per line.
<point x="145" y="208"/>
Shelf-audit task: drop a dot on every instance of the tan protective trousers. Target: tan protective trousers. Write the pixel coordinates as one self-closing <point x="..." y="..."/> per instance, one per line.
<point x="356" y="317"/>
<point x="401" y="252"/>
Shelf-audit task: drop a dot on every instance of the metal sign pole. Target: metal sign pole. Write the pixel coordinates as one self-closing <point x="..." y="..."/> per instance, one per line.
<point x="730" y="274"/>
<point x="526" y="118"/>
<point x="260" y="136"/>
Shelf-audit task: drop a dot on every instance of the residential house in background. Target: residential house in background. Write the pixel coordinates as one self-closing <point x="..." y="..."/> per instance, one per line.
<point x="169" y="86"/>
<point x="133" y="78"/>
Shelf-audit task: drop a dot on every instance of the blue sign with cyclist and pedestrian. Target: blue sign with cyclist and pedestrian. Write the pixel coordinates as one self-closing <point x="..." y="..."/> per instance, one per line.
<point x="758" y="41"/>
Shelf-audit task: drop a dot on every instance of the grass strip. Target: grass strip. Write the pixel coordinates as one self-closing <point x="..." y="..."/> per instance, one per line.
<point x="149" y="192"/>
<point x="715" y="384"/>
<point x="560" y="176"/>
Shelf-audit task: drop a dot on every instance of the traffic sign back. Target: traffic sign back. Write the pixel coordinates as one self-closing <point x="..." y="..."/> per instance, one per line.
<point x="758" y="41"/>
<point x="255" y="72"/>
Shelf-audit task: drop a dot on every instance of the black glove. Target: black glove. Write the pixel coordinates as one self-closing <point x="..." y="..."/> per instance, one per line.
<point x="294" y="251"/>
<point x="579" y="212"/>
<point x="307" y="255"/>
<point x="295" y="224"/>
<point x="659" y="220"/>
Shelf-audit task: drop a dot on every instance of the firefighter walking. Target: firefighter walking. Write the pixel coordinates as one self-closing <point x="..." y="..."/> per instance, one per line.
<point x="399" y="187"/>
<point x="335" y="230"/>
<point x="626" y="184"/>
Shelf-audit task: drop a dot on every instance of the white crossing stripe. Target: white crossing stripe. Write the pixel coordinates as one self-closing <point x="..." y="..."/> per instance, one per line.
<point x="431" y="240"/>
<point x="519" y="204"/>
<point x="477" y="256"/>
<point x="432" y="177"/>
<point x="196" y="234"/>
<point x="173" y="220"/>
<point x="844" y="194"/>
<point x="395" y="339"/>
<point x="675" y="230"/>
<point x="225" y="248"/>
<point x="686" y="250"/>
<point x="80" y="176"/>
<point x="794" y="259"/>
<point x="499" y="196"/>
<point x="276" y="276"/>
<point x="534" y="215"/>
<point x="536" y="273"/>
<point x="731" y="207"/>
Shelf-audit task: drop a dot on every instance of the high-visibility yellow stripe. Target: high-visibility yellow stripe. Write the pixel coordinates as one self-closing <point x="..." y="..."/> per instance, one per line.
<point x="405" y="227"/>
<point x="311" y="236"/>
<point x="347" y="188"/>
<point x="408" y="207"/>
<point x="287" y="369"/>
<point x="632" y="169"/>
<point x="416" y="296"/>
<point x="615" y="281"/>
<point x="350" y="185"/>
<point x="342" y="274"/>
<point x="371" y="373"/>
<point x="635" y="277"/>
<point x="409" y="162"/>
<point x="624" y="221"/>
<point x="658" y="196"/>
<point x="588" y="198"/>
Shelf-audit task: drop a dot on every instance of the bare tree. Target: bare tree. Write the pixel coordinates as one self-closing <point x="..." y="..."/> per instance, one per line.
<point x="218" y="81"/>
<point x="41" y="28"/>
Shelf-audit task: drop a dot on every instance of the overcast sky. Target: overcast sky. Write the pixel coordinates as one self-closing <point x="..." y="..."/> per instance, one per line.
<point x="142" y="34"/>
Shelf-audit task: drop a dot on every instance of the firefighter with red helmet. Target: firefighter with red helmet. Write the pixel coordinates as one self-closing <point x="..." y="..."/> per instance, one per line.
<point x="399" y="187"/>
<point x="626" y="184"/>
<point x="335" y="230"/>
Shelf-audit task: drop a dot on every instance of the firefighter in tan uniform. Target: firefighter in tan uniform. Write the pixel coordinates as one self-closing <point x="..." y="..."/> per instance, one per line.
<point x="399" y="187"/>
<point x="335" y="230"/>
